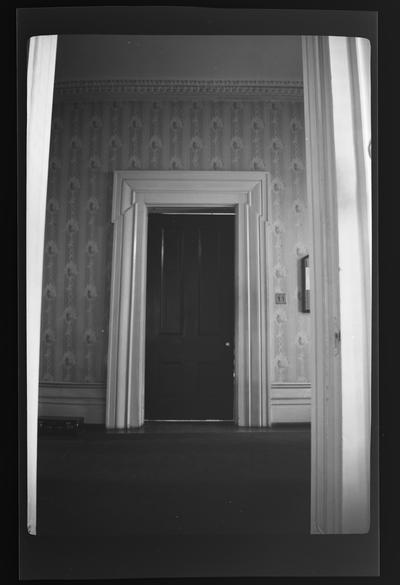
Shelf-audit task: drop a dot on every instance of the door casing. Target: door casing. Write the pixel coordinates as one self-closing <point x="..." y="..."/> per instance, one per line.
<point x="137" y="192"/>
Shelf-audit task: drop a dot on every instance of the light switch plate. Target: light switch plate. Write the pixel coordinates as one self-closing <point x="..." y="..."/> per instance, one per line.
<point x="280" y="298"/>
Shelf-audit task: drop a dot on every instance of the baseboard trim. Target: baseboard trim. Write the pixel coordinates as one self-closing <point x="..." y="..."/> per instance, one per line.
<point x="73" y="399"/>
<point x="290" y="402"/>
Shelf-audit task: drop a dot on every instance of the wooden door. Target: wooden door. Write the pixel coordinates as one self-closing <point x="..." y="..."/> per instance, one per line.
<point x="190" y="317"/>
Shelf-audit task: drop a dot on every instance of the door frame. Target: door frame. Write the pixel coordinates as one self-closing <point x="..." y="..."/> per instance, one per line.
<point x="340" y="399"/>
<point x="325" y="353"/>
<point x="134" y="194"/>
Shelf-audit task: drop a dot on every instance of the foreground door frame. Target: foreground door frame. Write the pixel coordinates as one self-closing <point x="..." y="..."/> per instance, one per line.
<point x="338" y="199"/>
<point x="135" y="192"/>
<point x="326" y="416"/>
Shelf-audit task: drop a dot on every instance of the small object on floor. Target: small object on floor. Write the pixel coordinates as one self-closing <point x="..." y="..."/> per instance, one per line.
<point x="59" y="424"/>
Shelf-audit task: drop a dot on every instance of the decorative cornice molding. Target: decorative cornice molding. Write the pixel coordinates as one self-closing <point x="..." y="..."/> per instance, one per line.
<point x="166" y="88"/>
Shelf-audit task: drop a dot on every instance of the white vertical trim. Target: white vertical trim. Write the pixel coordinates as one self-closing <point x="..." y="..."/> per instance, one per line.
<point x="359" y="69"/>
<point x="248" y="316"/>
<point x="355" y="283"/>
<point x="336" y="99"/>
<point x="112" y="370"/>
<point x="325" y="319"/>
<point x="40" y="85"/>
<point x="363" y="59"/>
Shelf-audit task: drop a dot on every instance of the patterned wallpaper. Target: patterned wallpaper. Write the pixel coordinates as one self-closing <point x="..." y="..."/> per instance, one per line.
<point x="89" y="140"/>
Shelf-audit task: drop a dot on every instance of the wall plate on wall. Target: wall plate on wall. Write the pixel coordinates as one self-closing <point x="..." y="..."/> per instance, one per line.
<point x="280" y="298"/>
<point x="305" y="284"/>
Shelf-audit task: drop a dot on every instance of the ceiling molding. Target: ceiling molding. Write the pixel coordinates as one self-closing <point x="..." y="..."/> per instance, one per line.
<point x="270" y="90"/>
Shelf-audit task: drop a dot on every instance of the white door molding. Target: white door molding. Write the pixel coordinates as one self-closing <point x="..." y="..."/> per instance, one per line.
<point x="135" y="192"/>
<point x="40" y="87"/>
<point x="326" y="448"/>
<point x="353" y="176"/>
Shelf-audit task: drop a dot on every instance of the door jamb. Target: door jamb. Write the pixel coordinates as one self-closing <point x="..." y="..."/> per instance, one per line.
<point x="326" y="388"/>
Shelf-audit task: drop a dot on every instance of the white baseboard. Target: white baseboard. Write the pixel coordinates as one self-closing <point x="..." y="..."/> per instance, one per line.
<point x="290" y="402"/>
<point x="70" y="399"/>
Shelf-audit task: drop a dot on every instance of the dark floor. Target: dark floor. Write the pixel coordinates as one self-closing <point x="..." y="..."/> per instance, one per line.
<point x="177" y="500"/>
<point x="175" y="478"/>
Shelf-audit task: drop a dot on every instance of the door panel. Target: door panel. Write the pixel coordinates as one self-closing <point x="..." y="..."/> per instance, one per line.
<point x="209" y="298"/>
<point x="171" y="290"/>
<point x="190" y="308"/>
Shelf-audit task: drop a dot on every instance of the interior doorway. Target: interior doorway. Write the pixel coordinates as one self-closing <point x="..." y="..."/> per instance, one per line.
<point x="190" y="317"/>
<point x="137" y="194"/>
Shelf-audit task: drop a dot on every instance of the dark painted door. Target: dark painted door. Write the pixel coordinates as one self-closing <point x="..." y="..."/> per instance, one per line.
<point x="190" y="317"/>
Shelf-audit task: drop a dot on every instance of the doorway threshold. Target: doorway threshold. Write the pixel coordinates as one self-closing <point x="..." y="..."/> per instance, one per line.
<point x="188" y="426"/>
<point x="193" y="426"/>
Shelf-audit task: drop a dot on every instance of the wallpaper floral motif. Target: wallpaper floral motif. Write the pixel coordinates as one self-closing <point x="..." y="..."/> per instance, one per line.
<point x="89" y="140"/>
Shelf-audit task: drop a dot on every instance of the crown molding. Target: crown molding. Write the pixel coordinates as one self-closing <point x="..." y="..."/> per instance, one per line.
<point x="270" y="90"/>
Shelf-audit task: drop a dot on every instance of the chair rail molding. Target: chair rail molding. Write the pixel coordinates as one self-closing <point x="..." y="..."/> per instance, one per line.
<point x="135" y="192"/>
